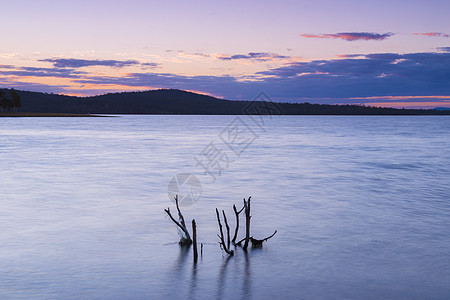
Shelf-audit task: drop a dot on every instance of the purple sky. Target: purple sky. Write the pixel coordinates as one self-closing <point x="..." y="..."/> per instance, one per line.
<point x="383" y="53"/>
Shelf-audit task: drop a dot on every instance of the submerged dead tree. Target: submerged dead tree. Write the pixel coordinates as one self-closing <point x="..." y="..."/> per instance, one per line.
<point x="225" y="241"/>
<point x="185" y="238"/>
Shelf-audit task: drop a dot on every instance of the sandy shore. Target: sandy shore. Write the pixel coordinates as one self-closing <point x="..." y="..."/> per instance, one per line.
<point x="31" y="114"/>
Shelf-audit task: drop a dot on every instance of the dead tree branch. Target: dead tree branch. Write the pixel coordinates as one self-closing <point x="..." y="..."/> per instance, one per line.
<point x="227" y="227"/>
<point x="180" y="215"/>
<point x="222" y="242"/>
<point x="255" y="242"/>
<point x="258" y="243"/>
<point x="236" y="230"/>
<point x="239" y="243"/>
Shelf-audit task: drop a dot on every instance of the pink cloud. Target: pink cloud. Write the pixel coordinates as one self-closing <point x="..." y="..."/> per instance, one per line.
<point x="349" y="55"/>
<point x="351" y="36"/>
<point x="438" y="34"/>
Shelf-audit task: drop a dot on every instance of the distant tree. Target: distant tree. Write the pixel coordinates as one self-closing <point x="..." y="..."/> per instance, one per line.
<point x="4" y="101"/>
<point x="15" y="100"/>
<point x="7" y="104"/>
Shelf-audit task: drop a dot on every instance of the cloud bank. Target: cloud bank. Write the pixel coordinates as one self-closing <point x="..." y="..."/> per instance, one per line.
<point x="378" y="74"/>
<point x="352" y="78"/>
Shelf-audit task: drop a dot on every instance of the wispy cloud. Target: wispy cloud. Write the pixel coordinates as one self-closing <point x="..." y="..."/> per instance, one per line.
<point x="195" y="54"/>
<point x="171" y="50"/>
<point x="351" y="36"/>
<point x="444" y="49"/>
<point x="433" y="34"/>
<point x="8" y="55"/>
<point x="184" y="57"/>
<point x="7" y="67"/>
<point x="8" y="70"/>
<point x="34" y="87"/>
<point x="349" y="55"/>
<point x="79" y="63"/>
<point x="259" y="56"/>
<point x="145" y="66"/>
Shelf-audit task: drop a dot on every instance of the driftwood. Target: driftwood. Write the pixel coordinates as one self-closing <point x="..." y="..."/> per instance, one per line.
<point x="185" y="237"/>
<point x="222" y="243"/>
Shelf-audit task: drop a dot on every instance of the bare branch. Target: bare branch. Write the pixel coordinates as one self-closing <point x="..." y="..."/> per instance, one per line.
<point x="239" y="243"/>
<point x="236" y="230"/>
<point x="172" y="218"/>
<point x="180" y="215"/>
<point x="228" y="229"/>
<point x="222" y="242"/>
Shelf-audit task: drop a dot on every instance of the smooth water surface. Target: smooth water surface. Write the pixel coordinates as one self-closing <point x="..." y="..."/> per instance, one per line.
<point x="361" y="205"/>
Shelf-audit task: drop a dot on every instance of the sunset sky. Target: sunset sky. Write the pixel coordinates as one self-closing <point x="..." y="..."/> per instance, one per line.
<point x="383" y="53"/>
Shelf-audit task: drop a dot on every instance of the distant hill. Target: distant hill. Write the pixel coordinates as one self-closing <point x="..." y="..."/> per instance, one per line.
<point x="170" y="101"/>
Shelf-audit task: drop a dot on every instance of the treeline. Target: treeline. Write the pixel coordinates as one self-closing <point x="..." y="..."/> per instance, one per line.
<point x="169" y="101"/>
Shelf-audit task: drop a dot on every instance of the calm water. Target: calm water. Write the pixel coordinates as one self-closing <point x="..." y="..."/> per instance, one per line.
<point x="361" y="205"/>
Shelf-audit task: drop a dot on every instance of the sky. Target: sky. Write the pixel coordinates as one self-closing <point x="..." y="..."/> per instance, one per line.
<point x="378" y="53"/>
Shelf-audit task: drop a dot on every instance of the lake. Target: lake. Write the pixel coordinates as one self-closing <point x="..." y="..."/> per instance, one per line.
<point x="361" y="205"/>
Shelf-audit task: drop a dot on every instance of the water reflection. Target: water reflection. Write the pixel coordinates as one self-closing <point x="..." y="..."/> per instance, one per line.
<point x="193" y="287"/>
<point x="233" y="275"/>
<point x="176" y="278"/>
<point x="246" y="286"/>
<point x="180" y="262"/>
<point x="240" y="282"/>
<point x="221" y="282"/>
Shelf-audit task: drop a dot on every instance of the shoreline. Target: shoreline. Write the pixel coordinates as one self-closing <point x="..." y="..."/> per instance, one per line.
<point x="111" y="115"/>
<point x="31" y="114"/>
